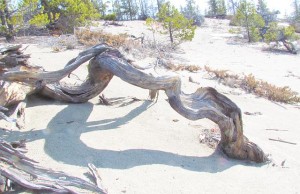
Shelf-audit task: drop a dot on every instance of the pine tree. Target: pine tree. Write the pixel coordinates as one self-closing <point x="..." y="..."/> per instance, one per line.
<point x="232" y="5"/>
<point x="66" y="14"/>
<point x="12" y="16"/>
<point x="176" y="25"/>
<point x="159" y="4"/>
<point x="191" y="11"/>
<point x="221" y="8"/>
<point x="143" y="7"/>
<point x="7" y="27"/>
<point x="61" y="14"/>
<point x="247" y="16"/>
<point x="116" y="8"/>
<point x="129" y="9"/>
<point x="264" y="11"/>
<point x="296" y="6"/>
<point x="262" y="8"/>
<point x="213" y="8"/>
<point x="100" y="6"/>
<point x="216" y="8"/>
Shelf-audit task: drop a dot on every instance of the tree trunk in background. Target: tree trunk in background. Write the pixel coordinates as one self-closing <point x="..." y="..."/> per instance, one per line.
<point x="5" y="21"/>
<point x="171" y="33"/>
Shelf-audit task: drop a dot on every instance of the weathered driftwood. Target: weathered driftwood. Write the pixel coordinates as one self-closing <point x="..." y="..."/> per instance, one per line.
<point x="23" y="171"/>
<point x="15" y="167"/>
<point x="13" y="94"/>
<point x="106" y="62"/>
<point x="11" y="56"/>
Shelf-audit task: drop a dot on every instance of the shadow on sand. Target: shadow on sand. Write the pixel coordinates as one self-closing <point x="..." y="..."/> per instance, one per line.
<point x="63" y="144"/>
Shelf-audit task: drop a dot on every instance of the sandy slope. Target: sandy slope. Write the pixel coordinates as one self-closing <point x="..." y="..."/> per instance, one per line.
<point x="140" y="149"/>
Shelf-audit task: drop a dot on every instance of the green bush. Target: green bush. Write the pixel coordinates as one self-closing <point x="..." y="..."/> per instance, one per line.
<point x="279" y="33"/>
<point x="234" y="30"/>
<point x="110" y="17"/>
<point x="175" y="24"/>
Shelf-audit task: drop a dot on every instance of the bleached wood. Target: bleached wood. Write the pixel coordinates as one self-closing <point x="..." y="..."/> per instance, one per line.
<point x="107" y="62"/>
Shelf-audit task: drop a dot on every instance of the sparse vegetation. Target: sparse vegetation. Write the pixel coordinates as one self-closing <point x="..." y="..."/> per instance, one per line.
<point x="154" y="27"/>
<point x="182" y="67"/>
<point x="235" y="30"/>
<point x="279" y="94"/>
<point x="61" y="43"/>
<point x="89" y="38"/>
<point x="220" y="74"/>
<point x="261" y="25"/>
<point x="285" y="35"/>
<point x="261" y="88"/>
<point x="56" y="49"/>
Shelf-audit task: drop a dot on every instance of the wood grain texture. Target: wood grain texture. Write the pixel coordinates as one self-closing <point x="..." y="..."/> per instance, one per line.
<point x="106" y="62"/>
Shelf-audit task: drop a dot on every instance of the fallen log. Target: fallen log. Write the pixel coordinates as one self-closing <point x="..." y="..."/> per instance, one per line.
<point x="12" y="56"/>
<point x="105" y="62"/>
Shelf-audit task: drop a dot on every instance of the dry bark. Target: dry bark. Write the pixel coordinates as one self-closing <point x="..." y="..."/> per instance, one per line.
<point x="23" y="171"/>
<point x="106" y="62"/>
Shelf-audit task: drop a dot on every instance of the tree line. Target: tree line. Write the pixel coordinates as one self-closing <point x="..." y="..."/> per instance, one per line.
<point x="67" y="14"/>
<point x="259" y="21"/>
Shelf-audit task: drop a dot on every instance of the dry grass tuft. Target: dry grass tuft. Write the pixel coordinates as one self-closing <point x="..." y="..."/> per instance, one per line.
<point x="250" y="83"/>
<point x="62" y="42"/>
<point x="56" y="49"/>
<point x="261" y="88"/>
<point x="280" y="94"/>
<point x="91" y="38"/>
<point x="181" y="67"/>
<point x="220" y="74"/>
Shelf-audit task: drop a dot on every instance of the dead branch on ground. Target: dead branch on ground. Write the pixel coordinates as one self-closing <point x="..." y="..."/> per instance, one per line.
<point x="24" y="172"/>
<point x="105" y="62"/>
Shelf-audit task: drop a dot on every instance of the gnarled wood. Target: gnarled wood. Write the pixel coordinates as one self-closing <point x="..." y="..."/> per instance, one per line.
<point x="106" y="62"/>
<point x="25" y="172"/>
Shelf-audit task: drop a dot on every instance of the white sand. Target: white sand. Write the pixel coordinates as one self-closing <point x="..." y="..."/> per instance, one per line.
<point x="140" y="149"/>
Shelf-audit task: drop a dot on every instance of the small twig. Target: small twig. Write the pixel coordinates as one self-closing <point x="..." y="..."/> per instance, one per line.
<point x="96" y="176"/>
<point x="76" y="76"/>
<point x="277" y="130"/>
<point x="283" y="141"/>
<point x="103" y="100"/>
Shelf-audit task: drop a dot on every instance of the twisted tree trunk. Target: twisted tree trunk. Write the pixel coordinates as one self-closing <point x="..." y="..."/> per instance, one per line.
<point x="106" y="62"/>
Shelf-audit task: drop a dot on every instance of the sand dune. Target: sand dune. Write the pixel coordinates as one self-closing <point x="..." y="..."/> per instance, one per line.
<point x="139" y="148"/>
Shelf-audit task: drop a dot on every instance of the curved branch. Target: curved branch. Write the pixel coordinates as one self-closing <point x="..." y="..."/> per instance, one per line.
<point x="204" y="103"/>
<point x="43" y="78"/>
